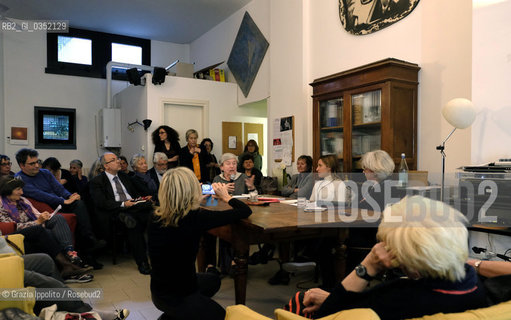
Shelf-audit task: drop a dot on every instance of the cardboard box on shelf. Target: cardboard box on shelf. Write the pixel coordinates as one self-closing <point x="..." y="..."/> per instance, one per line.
<point x="182" y="69"/>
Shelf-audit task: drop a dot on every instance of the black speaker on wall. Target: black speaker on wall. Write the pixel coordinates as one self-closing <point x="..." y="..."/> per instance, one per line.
<point x="159" y="75"/>
<point x="133" y="76"/>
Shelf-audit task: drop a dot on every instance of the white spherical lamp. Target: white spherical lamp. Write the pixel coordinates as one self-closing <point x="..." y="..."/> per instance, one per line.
<point x="459" y="112"/>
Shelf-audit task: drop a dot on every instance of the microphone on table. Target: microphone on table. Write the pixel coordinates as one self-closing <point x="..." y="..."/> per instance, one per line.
<point x="501" y="256"/>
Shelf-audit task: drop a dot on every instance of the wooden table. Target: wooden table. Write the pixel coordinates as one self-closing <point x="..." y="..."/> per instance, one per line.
<point x="282" y="222"/>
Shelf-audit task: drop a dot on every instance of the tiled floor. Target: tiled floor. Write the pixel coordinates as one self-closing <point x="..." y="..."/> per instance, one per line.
<point x="124" y="287"/>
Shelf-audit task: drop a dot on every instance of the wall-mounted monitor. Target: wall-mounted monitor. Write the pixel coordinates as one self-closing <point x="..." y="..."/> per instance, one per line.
<point x="55" y="128"/>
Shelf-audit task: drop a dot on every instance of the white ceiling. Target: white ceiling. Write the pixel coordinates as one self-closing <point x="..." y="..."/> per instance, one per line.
<point x="178" y="21"/>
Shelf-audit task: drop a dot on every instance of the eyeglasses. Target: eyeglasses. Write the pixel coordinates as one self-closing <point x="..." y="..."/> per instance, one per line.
<point x="114" y="159"/>
<point x="6" y="164"/>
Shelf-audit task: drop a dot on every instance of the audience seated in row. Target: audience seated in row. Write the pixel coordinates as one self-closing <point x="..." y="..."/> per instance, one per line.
<point x="42" y="186"/>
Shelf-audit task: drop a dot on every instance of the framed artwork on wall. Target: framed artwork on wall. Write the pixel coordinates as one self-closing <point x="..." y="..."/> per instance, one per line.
<point x="361" y="17"/>
<point x="55" y="128"/>
<point x="247" y="54"/>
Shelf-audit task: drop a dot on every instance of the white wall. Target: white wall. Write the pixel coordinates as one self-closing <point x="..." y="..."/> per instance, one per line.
<point x="164" y="53"/>
<point x="215" y="46"/>
<point x="289" y="92"/>
<point x="133" y="102"/>
<point x="24" y="57"/>
<point x="491" y="77"/>
<point x="491" y="67"/>
<point x="427" y="37"/>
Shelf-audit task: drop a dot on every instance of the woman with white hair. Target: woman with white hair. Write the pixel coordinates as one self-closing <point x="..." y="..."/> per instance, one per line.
<point x="141" y="179"/>
<point x="428" y="241"/>
<point x="174" y="236"/>
<point x="237" y="182"/>
<point x="378" y="167"/>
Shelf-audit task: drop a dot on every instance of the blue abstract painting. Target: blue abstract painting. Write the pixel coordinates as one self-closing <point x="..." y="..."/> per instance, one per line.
<point x="247" y="54"/>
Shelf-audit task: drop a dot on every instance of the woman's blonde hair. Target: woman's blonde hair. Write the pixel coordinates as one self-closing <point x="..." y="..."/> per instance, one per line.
<point x="379" y="162"/>
<point x="426" y="236"/>
<point x="189" y="132"/>
<point x="179" y="193"/>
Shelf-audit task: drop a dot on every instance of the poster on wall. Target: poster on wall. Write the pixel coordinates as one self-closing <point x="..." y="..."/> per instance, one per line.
<point x="19" y="135"/>
<point x="361" y="17"/>
<point x="283" y="140"/>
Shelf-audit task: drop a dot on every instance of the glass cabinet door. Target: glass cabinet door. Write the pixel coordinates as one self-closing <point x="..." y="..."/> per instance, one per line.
<point x="366" y="121"/>
<point x="331" y="128"/>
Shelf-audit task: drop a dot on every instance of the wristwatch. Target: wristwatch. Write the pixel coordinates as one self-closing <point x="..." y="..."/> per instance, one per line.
<point x="477" y="264"/>
<point x="361" y="272"/>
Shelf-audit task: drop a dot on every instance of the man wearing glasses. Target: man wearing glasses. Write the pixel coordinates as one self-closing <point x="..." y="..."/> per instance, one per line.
<point x="114" y="195"/>
<point x="5" y="166"/>
<point x="41" y="185"/>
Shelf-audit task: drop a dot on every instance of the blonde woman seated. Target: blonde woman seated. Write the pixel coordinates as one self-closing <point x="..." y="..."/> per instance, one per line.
<point x="330" y="187"/>
<point x="173" y="238"/>
<point x="427" y="240"/>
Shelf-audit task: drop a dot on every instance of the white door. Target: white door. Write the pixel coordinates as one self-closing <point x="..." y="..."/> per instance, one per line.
<point x="182" y="117"/>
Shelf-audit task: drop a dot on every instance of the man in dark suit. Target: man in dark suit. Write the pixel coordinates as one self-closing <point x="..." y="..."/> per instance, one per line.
<point x="113" y="194"/>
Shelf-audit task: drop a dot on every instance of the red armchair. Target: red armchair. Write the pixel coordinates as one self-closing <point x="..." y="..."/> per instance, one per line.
<point x="7" y="227"/>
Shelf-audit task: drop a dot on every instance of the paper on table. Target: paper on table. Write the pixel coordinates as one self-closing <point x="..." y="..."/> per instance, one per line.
<point x="311" y="206"/>
<point x="242" y="196"/>
<point x="291" y="202"/>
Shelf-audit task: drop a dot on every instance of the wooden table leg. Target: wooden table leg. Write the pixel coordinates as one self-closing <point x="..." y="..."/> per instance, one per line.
<point x="340" y="255"/>
<point x="241" y="250"/>
<point x="240" y="272"/>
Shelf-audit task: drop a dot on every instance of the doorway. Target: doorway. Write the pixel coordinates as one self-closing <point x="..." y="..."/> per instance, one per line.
<point x="183" y="115"/>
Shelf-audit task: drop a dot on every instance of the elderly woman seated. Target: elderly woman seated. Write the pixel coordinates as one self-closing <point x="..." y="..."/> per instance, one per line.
<point x="141" y="179"/>
<point x="237" y="182"/>
<point x="378" y="167"/>
<point x="427" y="240"/>
<point x="43" y="232"/>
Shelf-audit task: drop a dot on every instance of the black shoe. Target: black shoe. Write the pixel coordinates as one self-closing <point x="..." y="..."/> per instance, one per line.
<point x="144" y="268"/>
<point x="281" y="277"/>
<point x="128" y="220"/>
<point x="213" y="270"/>
<point x="97" y="244"/>
<point x="254" y="259"/>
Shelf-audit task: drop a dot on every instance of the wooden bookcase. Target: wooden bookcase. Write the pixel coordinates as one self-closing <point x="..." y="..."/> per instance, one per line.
<point x="367" y="108"/>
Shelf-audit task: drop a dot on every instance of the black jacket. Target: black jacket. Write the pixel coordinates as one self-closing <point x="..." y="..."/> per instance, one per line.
<point x="186" y="160"/>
